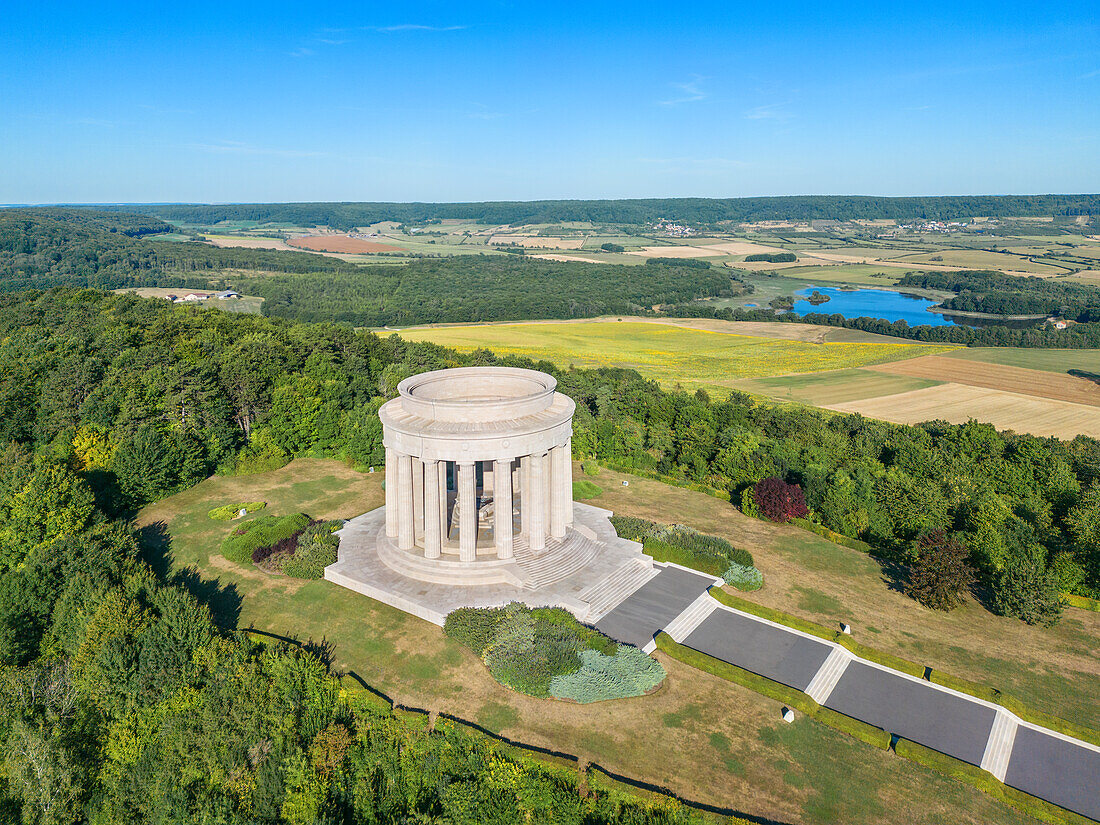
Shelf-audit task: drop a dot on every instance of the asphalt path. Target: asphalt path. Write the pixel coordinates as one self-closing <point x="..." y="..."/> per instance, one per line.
<point x="1057" y="770"/>
<point x="656" y="603"/>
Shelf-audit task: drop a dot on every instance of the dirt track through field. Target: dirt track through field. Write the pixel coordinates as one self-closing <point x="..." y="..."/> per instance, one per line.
<point x="959" y="403"/>
<point x="998" y="377"/>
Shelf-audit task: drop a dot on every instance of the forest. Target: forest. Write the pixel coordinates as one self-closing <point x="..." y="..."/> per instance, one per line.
<point x="44" y="248"/>
<point x="124" y="701"/>
<point x="696" y="211"/>
<point x="1000" y="294"/>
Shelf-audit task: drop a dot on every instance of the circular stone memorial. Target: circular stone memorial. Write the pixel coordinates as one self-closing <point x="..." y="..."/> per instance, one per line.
<point x="479" y="506"/>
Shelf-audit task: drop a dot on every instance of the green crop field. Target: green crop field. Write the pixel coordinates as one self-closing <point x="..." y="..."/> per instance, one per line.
<point x="671" y="355"/>
<point x="834" y="387"/>
<point x="874" y="274"/>
<point x="1050" y="360"/>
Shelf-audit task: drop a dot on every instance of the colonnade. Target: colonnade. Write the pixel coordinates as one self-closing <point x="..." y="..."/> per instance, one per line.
<point x="418" y="502"/>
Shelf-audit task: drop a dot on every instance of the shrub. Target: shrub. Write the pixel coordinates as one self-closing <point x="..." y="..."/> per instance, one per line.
<point x="527" y="650"/>
<point x="743" y="578"/>
<point x="778" y="500"/>
<point x="682" y="545"/>
<point x="585" y="489"/>
<point x="709" y="563"/>
<point x="590" y="468"/>
<point x="261" y="532"/>
<point x="941" y="575"/>
<point x="629" y="672"/>
<point x="228" y="512"/>
<point x="748" y="504"/>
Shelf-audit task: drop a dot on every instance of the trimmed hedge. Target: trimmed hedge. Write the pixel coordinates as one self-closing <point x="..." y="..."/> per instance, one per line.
<point x="259" y="533"/>
<point x="889" y="660"/>
<point x="987" y="783"/>
<point x="708" y="563"/>
<point x="228" y="512"/>
<point x="774" y="690"/>
<point x="1014" y="705"/>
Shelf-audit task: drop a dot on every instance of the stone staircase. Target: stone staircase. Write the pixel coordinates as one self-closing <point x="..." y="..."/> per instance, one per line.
<point x="829" y="674"/>
<point x="608" y="593"/>
<point x="694" y="614"/>
<point x="998" y="748"/>
<point x="561" y="558"/>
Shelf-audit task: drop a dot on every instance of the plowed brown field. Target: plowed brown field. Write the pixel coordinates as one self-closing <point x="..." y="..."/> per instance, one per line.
<point x="340" y="243"/>
<point x="998" y="377"/>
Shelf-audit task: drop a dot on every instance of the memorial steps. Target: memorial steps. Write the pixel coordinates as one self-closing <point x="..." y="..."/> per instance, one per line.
<point x="606" y="594"/>
<point x="560" y="560"/>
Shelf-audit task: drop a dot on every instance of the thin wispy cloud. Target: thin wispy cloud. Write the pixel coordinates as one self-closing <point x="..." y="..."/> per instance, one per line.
<point x="301" y="52"/>
<point x="688" y="92"/>
<point x="690" y="161"/>
<point x="413" y="27"/>
<point x="772" y="111"/>
<point x="1087" y="75"/>
<point x="233" y="147"/>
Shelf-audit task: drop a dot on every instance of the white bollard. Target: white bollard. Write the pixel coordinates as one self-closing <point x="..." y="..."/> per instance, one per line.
<point x="846" y="629"/>
<point x="788" y="715"/>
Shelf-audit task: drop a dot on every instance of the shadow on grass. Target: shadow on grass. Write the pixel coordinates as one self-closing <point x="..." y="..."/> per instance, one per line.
<point x="322" y="650"/>
<point x="224" y="600"/>
<point x="895" y="575"/>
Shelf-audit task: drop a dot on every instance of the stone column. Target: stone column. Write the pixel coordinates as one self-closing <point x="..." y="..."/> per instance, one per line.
<point x="567" y="481"/>
<point x="502" y="508"/>
<point x="467" y="512"/>
<point x="432" y="537"/>
<point x="443" y="503"/>
<point x="525" y="501"/>
<point x="418" y="498"/>
<point x="557" y="493"/>
<point x="536" y="521"/>
<point x="404" y="502"/>
<point x="391" y="492"/>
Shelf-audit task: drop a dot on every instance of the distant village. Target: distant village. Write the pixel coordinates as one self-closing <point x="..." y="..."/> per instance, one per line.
<point x="673" y="230"/>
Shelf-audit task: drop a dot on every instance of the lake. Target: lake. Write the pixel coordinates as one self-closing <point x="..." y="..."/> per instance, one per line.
<point x="871" y="303"/>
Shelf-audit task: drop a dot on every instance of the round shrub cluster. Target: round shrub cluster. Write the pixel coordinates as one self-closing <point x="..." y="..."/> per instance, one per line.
<point x="778" y="500"/>
<point x="530" y="650"/>
<point x="743" y="578"/>
<point x="629" y="672"/>
<point x="315" y="550"/>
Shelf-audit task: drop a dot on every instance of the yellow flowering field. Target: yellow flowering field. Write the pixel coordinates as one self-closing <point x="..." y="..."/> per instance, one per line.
<point x="669" y="354"/>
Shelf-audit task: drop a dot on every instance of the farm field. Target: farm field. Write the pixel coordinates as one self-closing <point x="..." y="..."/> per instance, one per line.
<point x="249" y="242"/>
<point x="537" y="241"/>
<point x="672" y="355"/>
<point x="702" y="737"/>
<point x="1050" y="360"/>
<point x="340" y="243"/>
<point x="980" y="259"/>
<point x="834" y="387"/>
<point x="958" y="403"/>
<point x="999" y="377"/>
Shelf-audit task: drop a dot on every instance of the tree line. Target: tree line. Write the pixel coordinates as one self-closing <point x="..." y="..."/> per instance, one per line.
<point x="642" y="211"/>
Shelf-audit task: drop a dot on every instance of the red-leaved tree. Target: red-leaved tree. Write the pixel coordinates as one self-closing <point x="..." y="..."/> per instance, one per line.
<point x="778" y="500"/>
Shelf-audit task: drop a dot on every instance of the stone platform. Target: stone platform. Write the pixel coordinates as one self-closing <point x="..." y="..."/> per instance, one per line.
<point x="588" y="572"/>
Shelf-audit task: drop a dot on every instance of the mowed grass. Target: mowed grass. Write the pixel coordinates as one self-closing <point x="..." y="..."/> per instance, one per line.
<point x="833" y="387"/>
<point x="673" y="356"/>
<point x="702" y="737"/>
<point x="1048" y="360"/>
<point x="871" y="274"/>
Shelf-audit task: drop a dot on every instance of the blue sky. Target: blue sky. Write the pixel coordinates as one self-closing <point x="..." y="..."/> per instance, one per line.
<point x="462" y="101"/>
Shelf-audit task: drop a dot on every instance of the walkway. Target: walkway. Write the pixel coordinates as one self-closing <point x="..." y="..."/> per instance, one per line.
<point x="1039" y="761"/>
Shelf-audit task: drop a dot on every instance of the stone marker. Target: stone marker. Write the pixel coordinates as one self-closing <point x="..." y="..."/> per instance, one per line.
<point x="846" y="629"/>
<point x="788" y="715"/>
<point x="626" y="483"/>
<point x="242" y="512"/>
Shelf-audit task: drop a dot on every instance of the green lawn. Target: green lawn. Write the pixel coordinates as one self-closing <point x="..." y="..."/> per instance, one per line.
<point x="700" y="736"/>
